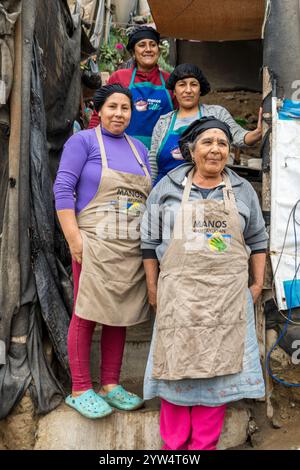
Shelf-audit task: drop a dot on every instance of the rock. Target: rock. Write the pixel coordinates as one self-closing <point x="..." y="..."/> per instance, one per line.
<point x="235" y="430"/>
<point x="256" y="439"/>
<point x="276" y="423"/>
<point x="252" y="427"/>
<point x="280" y="360"/>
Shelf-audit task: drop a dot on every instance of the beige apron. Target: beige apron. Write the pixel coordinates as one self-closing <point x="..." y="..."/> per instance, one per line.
<point x="202" y="288"/>
<point x="112" y="284"/>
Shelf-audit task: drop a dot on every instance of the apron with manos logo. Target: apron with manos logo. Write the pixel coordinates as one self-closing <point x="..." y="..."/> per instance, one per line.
<point x="169" y="154"/>
<point x="202" y="289"/>
<point x="149" y="103"/>
<point x="112" y="284"/>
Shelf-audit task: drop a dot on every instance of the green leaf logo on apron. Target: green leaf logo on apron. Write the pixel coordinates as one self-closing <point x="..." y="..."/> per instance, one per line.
<point x="218" y="242"/>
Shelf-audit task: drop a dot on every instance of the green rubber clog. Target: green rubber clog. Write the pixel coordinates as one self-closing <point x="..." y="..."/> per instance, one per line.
<point x="89" y="404"/>
<point x="119" y="398"/>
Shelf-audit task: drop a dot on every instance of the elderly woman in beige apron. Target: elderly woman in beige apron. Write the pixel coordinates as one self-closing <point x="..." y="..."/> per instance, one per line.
<point x="202" y="224"/>
<point x="109" y="174"/>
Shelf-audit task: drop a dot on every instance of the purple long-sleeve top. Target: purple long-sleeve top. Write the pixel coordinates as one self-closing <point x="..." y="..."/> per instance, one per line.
<point x="80" y="168"/>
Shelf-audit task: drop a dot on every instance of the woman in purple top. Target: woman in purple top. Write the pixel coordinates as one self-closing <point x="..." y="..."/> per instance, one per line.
<point x="100" y="190"/>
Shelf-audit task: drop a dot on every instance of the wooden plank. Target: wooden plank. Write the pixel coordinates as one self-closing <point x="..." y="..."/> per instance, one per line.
<point x="266" y="207"/>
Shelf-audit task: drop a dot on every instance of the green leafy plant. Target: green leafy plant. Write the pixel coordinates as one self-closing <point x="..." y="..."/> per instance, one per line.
<point x="112" y="54"/>
<point x="163" y="63"/>
<point x="241" y="121"/>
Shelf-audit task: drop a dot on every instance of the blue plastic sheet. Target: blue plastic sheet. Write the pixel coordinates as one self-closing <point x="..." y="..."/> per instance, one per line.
<point x="290" y="110"/>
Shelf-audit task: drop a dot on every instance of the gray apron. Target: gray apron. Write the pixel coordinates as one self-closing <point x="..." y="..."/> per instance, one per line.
<point x="202" y="286"/>
<point x="112" y="284"/>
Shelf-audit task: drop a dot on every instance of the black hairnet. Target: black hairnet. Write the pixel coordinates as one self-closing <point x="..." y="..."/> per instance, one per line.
<point x="142" y="32"/>
<point x="185" y="71"/>
<point x="104" y="92"/>
<point x="196" y="128"/>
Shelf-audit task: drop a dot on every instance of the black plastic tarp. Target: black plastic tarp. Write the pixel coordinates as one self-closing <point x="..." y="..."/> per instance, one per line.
<point x="49" y="103"/>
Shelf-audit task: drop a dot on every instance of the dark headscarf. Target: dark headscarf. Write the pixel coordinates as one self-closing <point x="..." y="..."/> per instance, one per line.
<point x="196" y="128"/>
<point x="104" y="92"/>
<point x="186" y="71"/>
<point x="142" y="32"/>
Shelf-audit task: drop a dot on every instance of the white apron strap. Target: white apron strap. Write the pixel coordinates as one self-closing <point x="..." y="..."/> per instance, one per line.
<point x="229" y="199"/>
<point x="102" y="148"/>
<point x="137" y="156"/>
<point x="188" y="187"/>
<point x="230" y="205"/>
<point x="132" y="146"/>
<point x="228" y="195"/>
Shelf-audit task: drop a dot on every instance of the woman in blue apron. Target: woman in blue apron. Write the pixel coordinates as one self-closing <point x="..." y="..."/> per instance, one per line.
<point x="146" y="82"/>
<point x="189" y="84"/>
<point x="169" y="154"/>
<point x="151" y="98"/>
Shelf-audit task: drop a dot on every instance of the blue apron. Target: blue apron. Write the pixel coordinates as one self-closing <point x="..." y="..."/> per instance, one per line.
<point x="149" y="103"/>
<point x="169" y="155"/>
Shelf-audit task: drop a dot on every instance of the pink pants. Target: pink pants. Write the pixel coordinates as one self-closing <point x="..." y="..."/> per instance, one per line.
<point x="190" y="427"/>
<point x="79" y="347"/>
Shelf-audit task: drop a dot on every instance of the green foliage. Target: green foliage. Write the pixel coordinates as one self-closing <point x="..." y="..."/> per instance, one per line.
<point x="163" y="63"/>
<point x="241" y="121"/>
<point x="112" y="54"/>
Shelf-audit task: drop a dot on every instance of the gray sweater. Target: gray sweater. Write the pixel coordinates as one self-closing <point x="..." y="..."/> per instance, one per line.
<point x="164" y="202"/>
<point x="163" y="124"/>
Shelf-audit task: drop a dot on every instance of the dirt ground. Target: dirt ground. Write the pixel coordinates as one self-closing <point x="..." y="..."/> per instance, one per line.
<point x="243" y="106"/>
<point x="17" y="431"/>
<point x="240" y="104"/>
<point x="282" y="432"/>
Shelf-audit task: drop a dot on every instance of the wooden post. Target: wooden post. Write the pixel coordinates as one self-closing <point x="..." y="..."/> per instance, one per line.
<point x="266" y="207"/>
<point x="107" y="20"/>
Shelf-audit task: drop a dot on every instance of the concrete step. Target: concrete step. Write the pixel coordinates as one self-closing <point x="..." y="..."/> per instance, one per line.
<point x="65" y="429"/>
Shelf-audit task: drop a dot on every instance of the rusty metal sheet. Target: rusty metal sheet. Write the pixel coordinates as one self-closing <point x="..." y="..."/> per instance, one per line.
<point x="213" y="20"/>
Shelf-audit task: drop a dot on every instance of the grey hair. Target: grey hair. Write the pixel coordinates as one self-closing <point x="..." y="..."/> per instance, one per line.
<point x="192" y="146"/>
